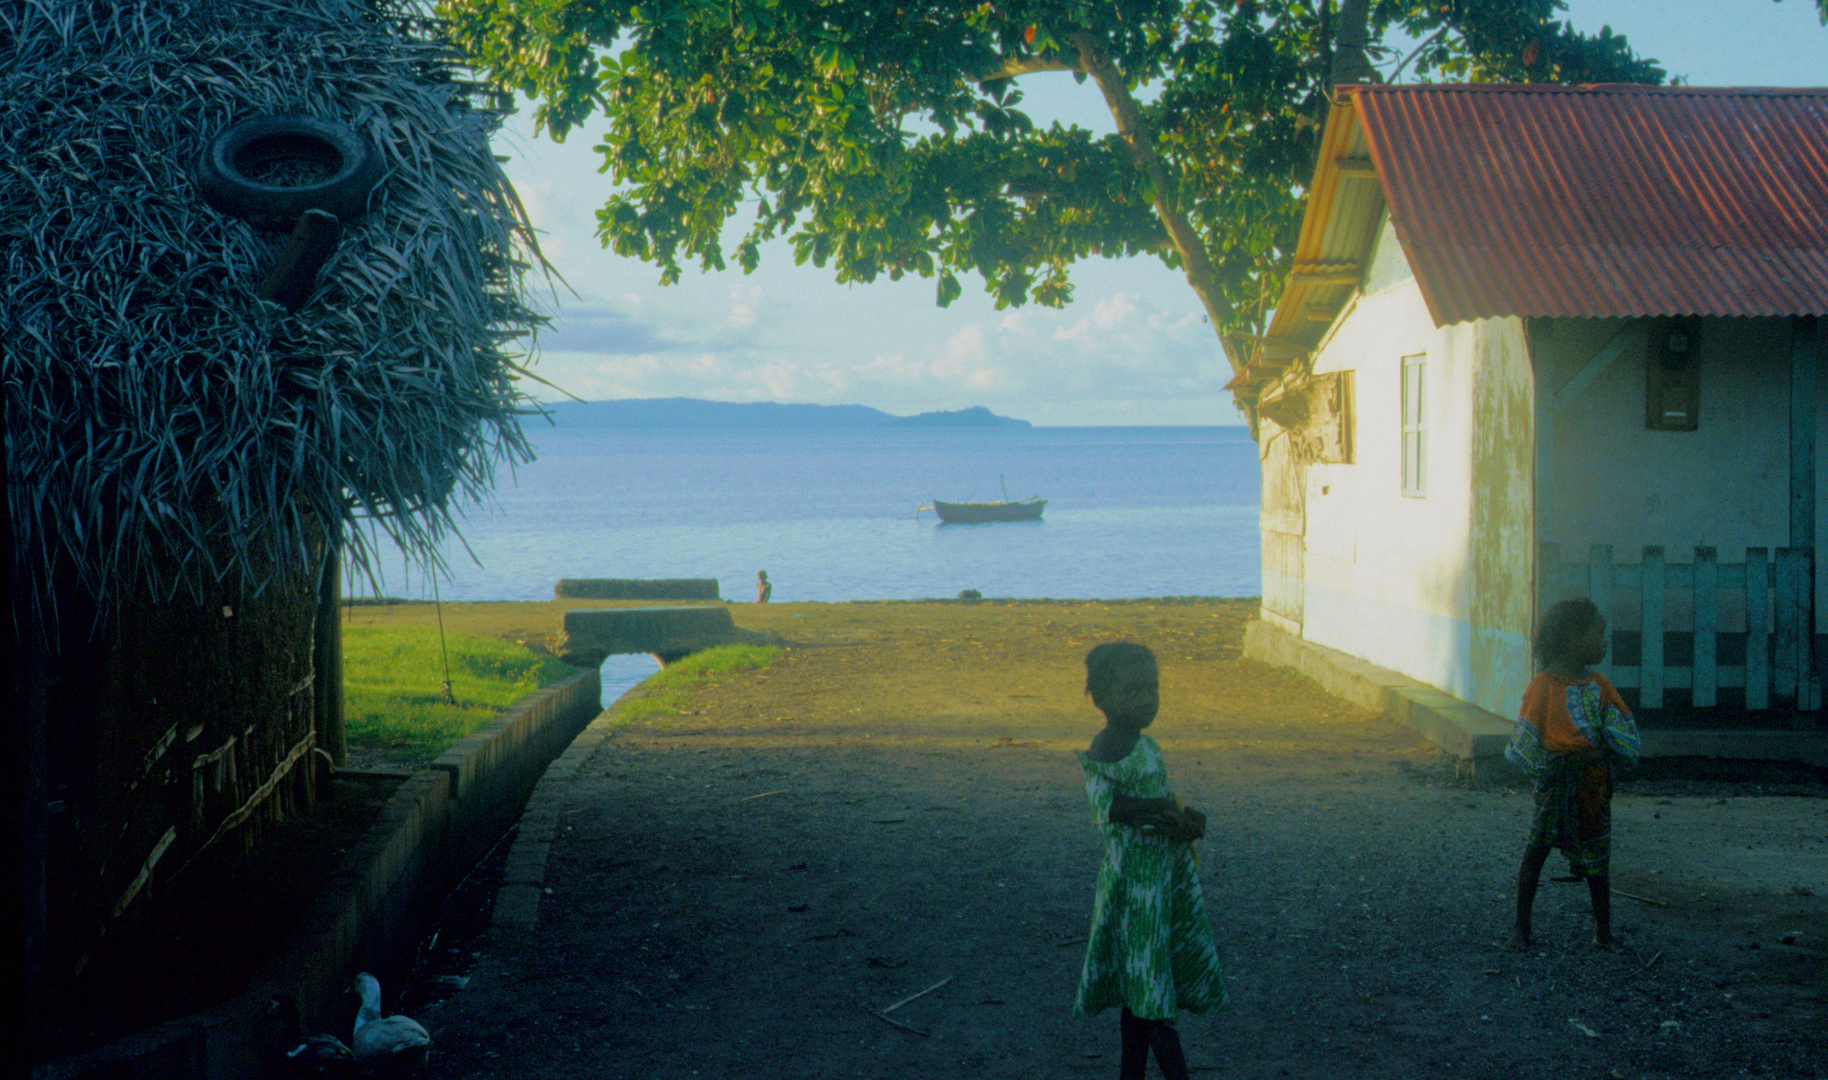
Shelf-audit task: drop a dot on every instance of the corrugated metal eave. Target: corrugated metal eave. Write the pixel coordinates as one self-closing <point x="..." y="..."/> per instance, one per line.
<point x="1336" y="228"/>
<point x="1615" y="282"/>
<point x="1606" y="201"/>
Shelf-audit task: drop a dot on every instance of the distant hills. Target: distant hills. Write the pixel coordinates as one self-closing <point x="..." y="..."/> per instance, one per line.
<point x="975" y="416"/>
<point x="694" y="413"/>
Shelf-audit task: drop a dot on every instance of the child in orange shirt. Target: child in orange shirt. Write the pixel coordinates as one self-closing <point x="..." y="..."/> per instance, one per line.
<point x="1571" y="730"/>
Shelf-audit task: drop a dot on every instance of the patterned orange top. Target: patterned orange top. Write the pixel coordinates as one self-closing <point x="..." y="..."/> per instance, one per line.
<point x="1545" y="707"/>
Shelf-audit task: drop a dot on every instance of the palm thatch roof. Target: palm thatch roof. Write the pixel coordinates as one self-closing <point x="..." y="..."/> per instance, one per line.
<point x="167" y="430"/>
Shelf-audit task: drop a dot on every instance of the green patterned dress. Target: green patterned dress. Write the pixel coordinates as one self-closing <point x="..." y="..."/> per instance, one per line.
<point x="1151" y="947"/>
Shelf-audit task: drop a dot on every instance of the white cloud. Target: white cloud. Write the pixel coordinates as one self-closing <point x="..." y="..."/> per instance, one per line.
<point x="630" y="370"/>
<point x="1111" y="311"/>
<point x="743" y="301"/>
<point x="963" y="353"/>
<point x="1108" y="313"/>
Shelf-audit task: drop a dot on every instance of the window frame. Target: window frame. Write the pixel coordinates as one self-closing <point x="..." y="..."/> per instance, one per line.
<point x="1413" y="437"/>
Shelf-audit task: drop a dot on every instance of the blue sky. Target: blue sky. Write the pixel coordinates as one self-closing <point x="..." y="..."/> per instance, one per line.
<point x="1131" y="348"/>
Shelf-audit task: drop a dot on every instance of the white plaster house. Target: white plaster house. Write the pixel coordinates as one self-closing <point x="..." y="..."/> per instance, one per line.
<point x="1526" y="321"/>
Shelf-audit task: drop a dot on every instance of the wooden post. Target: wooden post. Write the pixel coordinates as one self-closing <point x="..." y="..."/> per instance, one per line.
<point x="1706" y="680"/>
<point x="1802" y="501"/>
<point x="1757" y="630"/>
<point x="1650" y="653"/>
<point x="1544" y="460"/>
<point x="1599" y="590"/>
<point x="327" y="659"/>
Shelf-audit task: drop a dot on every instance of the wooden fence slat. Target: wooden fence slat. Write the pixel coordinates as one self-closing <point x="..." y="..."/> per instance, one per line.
<point x="1706" y="678"/>
<point x="1808" y="686"/>
<point x="1599" y="590"/>
<point x="1650" y="685"/>
<point x="1783" y="601"/>
<point x="1778" y="656"/>
<point x="1757" y="630"/>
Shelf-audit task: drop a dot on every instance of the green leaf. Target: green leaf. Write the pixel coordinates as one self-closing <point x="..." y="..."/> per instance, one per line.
<point x="949" y="289"/>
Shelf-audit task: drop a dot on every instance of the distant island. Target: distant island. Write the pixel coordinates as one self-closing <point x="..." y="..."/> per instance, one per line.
<point x="976" y="416"/>
<point x="695" y="413"/>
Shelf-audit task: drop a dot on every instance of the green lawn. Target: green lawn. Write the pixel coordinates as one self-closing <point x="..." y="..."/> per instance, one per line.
<point x="393" y="684"/>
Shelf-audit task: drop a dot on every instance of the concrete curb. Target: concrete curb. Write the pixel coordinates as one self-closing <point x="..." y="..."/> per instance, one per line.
<point x="1478" y="737"/>
<point x="523" y="880"/>
<point x="1466" y="731"/>
<point x="436" y="825"/>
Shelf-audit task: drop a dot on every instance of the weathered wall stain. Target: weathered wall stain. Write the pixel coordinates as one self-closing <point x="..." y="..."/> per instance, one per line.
<point x="1502" y="545"/>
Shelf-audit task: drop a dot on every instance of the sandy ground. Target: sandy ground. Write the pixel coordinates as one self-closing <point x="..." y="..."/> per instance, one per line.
<point x="893" y="805"/>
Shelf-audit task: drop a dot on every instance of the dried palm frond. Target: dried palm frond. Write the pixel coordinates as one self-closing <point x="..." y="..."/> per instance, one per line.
<point x="166" y="430"/>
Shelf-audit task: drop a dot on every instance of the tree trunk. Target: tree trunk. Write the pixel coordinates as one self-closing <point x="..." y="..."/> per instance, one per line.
<point x="1136" y="135"/>
<point x="1350" y="62"/>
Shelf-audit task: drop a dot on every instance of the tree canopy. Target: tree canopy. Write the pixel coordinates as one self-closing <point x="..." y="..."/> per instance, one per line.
<point x="888" y="136"/>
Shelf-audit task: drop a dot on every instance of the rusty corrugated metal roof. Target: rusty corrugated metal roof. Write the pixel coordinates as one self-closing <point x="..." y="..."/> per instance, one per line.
<point x="1605" y="201"/>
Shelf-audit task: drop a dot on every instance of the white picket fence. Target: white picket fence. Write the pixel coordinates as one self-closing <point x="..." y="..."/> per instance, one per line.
<point x="1770" y="589"/>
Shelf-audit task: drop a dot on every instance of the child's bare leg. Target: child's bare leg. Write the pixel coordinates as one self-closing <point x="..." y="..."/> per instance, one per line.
<point x="1529" y="876"/>
<point x="1599" y="889"/>
<point x="1135" y="1059"/>
<point x="1167" y="1045"/>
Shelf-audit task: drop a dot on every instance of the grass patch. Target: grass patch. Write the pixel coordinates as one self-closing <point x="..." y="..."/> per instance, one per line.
<point x="650" y="705"/>
<point x="717" y="661"/>
<point x="660" y="694"/>
<point x="393" y="685"/>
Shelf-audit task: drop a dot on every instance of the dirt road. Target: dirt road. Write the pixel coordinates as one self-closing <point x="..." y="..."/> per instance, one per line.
<point x="894" y="806"/>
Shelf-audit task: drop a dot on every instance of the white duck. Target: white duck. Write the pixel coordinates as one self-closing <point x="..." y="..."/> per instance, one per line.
<point x="381" y="1039"/>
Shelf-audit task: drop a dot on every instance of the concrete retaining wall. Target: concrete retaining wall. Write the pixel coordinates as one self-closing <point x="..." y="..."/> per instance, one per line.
<point x="635" y="589"/>
<point x="591" y="634"/>
<point x="437" y="825"/>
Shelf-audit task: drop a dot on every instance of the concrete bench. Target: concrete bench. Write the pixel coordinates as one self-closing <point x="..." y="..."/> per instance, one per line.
<point x="669" y="633"/>
<point x="635" y="589"/>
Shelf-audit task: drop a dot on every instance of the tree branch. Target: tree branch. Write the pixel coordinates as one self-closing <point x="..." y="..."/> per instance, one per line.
<point x="1134" y="131"/>
<point x="1427" y="41"/>
<point x="1017" y="65"/>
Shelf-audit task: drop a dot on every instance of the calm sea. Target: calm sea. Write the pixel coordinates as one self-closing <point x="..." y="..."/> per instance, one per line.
<point x="1132" y="512"/>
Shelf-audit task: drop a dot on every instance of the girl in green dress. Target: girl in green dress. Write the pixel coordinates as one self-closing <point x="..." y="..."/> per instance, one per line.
<point x="1150" y="950"/>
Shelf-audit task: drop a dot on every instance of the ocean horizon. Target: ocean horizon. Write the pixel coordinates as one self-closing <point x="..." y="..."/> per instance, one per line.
<point x="831" y="514"/>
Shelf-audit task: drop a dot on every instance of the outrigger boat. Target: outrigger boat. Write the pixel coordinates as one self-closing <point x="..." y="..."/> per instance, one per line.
<point x="1024" y="510"/>
<point x="971" y="513"/>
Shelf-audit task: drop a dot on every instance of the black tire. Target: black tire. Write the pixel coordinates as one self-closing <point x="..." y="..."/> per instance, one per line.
<point x="222" y="170"/>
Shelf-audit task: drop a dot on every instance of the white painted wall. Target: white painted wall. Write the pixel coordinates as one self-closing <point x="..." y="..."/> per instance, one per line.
<point x="1388" y="577"/>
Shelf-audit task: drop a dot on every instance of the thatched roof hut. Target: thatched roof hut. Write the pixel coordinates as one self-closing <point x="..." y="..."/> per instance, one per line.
<point x="170" y="428"/>
<point x="182" y="456"/>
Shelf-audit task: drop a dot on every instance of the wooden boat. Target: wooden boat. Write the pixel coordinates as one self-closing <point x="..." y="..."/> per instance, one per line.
<point x="1028" y="509"/>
